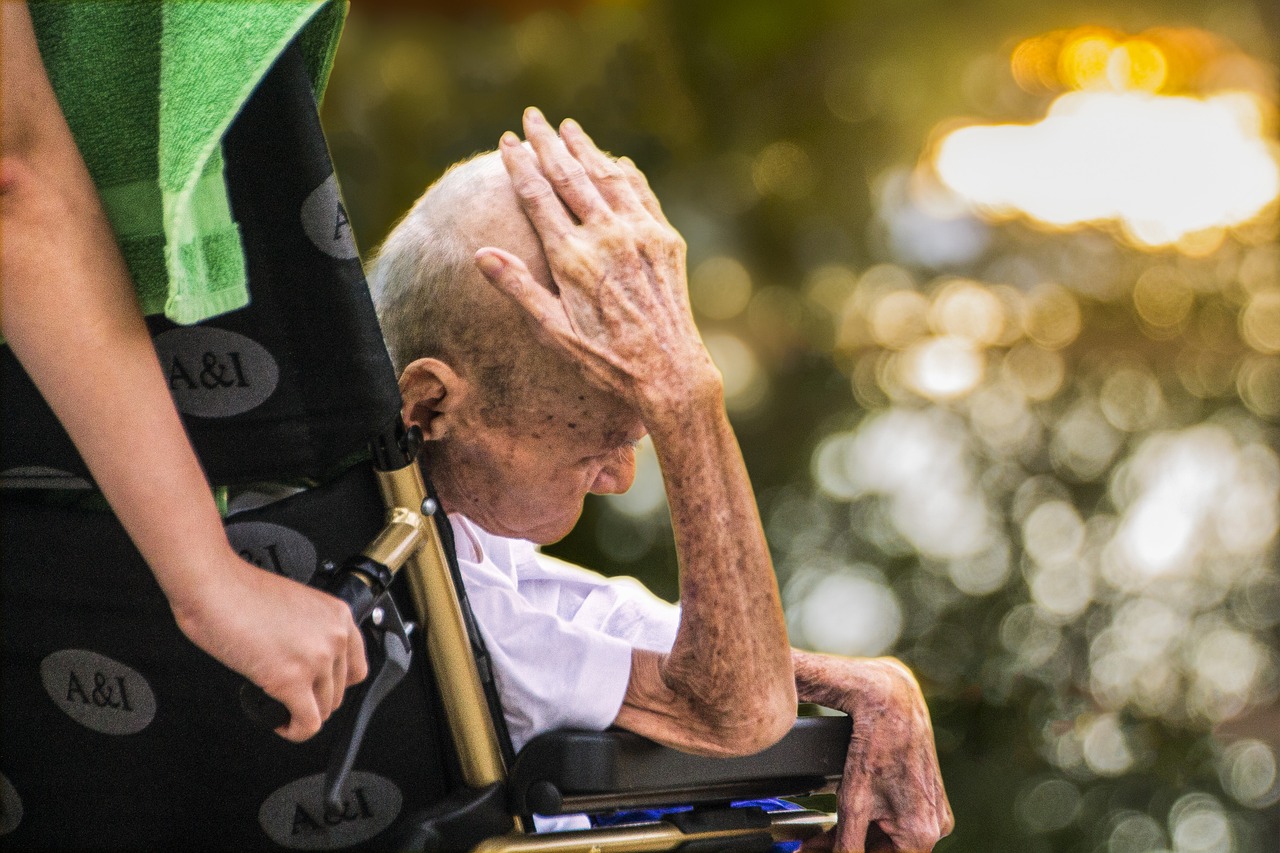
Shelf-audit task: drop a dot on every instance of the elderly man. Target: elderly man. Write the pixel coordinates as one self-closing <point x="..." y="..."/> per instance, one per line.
<point x="540" y="318"/>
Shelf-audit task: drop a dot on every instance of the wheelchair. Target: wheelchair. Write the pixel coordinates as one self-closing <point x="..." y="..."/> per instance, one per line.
<point x="117" y="733"/>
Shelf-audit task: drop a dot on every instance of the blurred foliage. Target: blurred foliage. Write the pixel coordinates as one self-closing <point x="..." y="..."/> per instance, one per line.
<point x="1038" y="464"/>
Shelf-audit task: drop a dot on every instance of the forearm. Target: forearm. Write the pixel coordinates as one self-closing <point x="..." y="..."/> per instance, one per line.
<point x="818" y="678"/>
<point x="72" y="319"/>
<point x="860" y="683"/>
<point x="730" y="661"/>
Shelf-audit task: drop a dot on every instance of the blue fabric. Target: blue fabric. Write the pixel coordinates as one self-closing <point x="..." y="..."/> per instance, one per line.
<point x="650" y="815"/>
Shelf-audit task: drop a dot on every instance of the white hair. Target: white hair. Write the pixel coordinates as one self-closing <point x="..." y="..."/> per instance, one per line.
<point x="420" y="275"/>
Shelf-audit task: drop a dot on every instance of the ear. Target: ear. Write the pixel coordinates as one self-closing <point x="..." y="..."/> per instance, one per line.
<point x="432" y="393"/>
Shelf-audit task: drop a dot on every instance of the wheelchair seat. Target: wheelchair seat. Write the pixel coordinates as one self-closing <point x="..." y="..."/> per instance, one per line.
<point x="570" y="771"/>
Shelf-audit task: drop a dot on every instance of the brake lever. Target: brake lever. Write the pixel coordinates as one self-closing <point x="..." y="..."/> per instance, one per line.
<point x="358" y="584"/>
<point x="392" y="632"/>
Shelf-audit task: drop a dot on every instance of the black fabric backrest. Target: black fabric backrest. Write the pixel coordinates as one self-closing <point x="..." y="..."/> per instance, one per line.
<point x="116" y="733"/>
<point x="300" y="379"/>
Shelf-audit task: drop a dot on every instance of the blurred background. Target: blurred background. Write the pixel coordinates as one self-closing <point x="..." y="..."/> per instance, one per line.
<point x="995" y="289"/>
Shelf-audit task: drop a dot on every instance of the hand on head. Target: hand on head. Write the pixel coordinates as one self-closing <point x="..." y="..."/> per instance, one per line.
<point x="622" y="308"/>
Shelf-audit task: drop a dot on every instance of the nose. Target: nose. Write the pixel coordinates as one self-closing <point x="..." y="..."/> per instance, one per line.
<point x="617" y="474"/>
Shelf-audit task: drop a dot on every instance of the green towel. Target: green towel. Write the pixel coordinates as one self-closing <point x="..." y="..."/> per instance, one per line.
<point x="149" y="89"/>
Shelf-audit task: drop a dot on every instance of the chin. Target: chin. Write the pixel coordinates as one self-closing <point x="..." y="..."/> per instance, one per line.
<point x="552" y="531"/>
<point x="539" y="532"/>
<point x="550" y="535"/>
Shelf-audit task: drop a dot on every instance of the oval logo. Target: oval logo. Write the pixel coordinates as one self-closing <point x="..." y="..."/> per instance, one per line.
<point x="214" y="373"/>
<point x="10" y="806"/>
<point x="275" y="548"/>
<point x="325" y="221"/>
<point x="97" y="692"/>
<point x="295" y="815"/>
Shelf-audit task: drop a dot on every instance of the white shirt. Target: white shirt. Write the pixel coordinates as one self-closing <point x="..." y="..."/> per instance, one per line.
<point x="560" y="636"/>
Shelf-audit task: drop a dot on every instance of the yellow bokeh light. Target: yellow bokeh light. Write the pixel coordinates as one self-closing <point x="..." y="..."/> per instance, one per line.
<point x="1035" y="64"/>
<point x="968" y="310"/>
<point x="1051" y="316"/>
<point x="1164" y="168"/>
<point x="1260" y="322"/>
<point x="1163" y="297"/>
<point x="865" y="382"/>
<point x="1039" y="373"/>
<point x="1084" y="60"/>
<point x="898" y="319"/>
<point x="785" y="170"/>
<point x="1138" y="65"/>
<point x="1260" y="268"/>
<point x="1012" y="304"/>
<point x="1206" y="373"/>
<point x="745" y="385"/>
<point x="1199" y="244"/>
<point x="831" y="286"/>
<point x="720" y="287"/>
<point x="1161" y="59"/>
<point x="1130" y="398"/>
<point x="1258" y="383"/>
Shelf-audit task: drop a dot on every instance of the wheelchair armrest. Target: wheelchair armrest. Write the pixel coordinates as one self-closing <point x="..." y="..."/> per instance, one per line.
<point x="570" y="771"/>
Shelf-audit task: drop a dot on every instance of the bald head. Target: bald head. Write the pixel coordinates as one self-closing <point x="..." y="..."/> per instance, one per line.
<point x="431" y="299"/>
<point x="424" y="279"/>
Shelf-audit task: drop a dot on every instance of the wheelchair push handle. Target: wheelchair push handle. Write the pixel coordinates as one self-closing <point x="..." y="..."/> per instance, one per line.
<point x="358" y="583"/>
<point x="365" y="577"/>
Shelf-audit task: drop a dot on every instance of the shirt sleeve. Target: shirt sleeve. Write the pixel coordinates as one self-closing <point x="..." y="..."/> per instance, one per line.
<point x="621" y="607"/>
<point x="550" y="671"/>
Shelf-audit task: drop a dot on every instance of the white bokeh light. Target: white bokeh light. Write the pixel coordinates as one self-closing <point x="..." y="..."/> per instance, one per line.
<point x="919" y="460"/>
<point x="842" y="609"/>
<point x="1164" y="167"/>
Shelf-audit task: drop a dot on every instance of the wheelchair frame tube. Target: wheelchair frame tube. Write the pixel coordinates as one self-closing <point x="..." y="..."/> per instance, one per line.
<point x="436" y="600"/>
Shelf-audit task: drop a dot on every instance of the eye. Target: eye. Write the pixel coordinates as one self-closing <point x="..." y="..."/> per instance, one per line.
<point x="603" y="456"/>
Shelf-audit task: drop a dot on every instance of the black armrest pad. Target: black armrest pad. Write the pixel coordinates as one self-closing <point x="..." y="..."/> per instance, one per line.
<point x="567" y="771"/>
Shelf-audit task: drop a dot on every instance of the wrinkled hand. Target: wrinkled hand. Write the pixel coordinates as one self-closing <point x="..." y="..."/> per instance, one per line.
<point x="891" y="792"/>
<point x="622" y="306"/>
<point x="297" y="643"/>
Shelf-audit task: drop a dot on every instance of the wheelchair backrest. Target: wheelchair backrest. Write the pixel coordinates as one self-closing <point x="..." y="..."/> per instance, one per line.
<point x="117" y="732"/>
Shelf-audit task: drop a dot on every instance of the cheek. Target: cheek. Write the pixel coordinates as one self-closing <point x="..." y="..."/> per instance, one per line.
<point x="478" y="474"/>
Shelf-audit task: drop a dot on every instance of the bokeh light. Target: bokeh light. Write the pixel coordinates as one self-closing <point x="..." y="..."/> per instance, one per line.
<point x="846" y="610"/>
<point x="1197" y="825"/>
<point x="720" y="288"/>
<point x="1049" y="805"/>
<point x="1249" y="773"/>
<point x="1135" y="833"/>
<point x="1171" y="169"/>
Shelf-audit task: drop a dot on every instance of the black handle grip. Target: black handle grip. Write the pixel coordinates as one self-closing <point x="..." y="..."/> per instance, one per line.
<point x="349" y="585"/>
